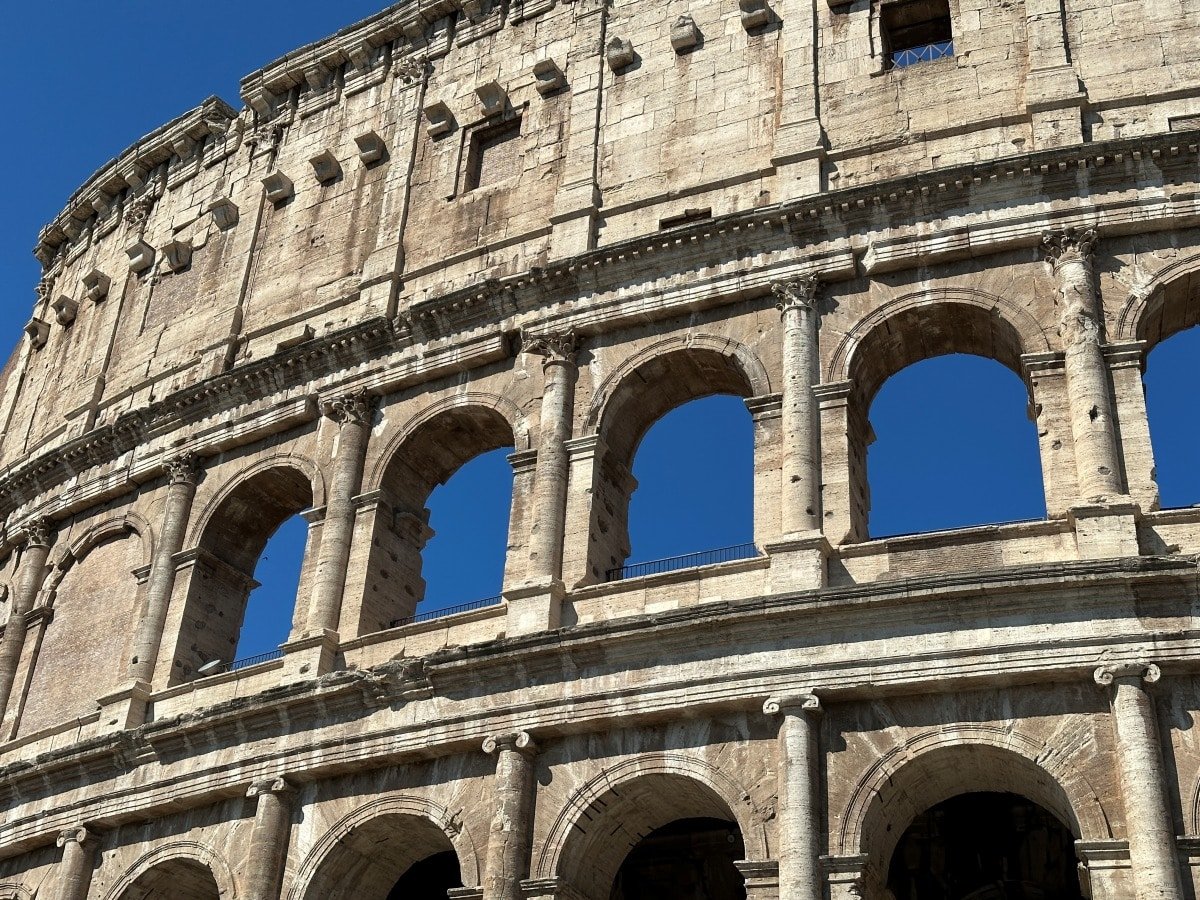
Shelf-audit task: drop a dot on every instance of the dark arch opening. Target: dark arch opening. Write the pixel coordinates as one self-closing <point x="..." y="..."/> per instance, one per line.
<point x="175" y="879"/>
<point x="954" y="447"/>
<point x="688" y="859"/>
<point x="228" y="554"/>
<point x="694" y="470"/>
<point x="429" y="879"/>
<point x="985" y="846"/>
<point x="1171" y="376"/>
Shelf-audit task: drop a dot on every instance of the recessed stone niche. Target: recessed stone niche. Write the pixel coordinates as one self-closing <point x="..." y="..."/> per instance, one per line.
<point x="95" y="285"/>
<point x="548" y="76"/>
<point x="279" y="187"/>
<point x="64" y="310"/>
<point x="326" y="167"/>
<point x="141" y="256"/>
<point x="370" y="147"/>
<point x="619" y="53"/>
<point x="439" y="117"/>
<point x="177" y="255"/>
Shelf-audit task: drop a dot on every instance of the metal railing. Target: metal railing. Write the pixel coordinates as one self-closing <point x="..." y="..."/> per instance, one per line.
<point x="687" y="561"/>
<point x="928" y="53"/>
<point x="248" y="661"/>
<point x="445" y="611"/>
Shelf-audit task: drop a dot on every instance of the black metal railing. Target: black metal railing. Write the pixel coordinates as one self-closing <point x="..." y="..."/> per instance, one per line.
<point x="445" y="611"/>
<point x="687" y="561"/>
<point x="248" y="661"/>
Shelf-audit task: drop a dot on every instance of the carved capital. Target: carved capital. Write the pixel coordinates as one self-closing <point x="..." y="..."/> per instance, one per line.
<point x="77" y="835"/>
<point x="39" y="532"/>
<point x="520" y="741"/>
<point x="803" y="702"/>
<point x="1065" y="245"/>
<point x="183" y="469"/>
<point x="797" y="293"/>
<point x="350" y="409"/>
<point x="556" y="348"/>
<point x="1145" y="671"/>
<point x="276" y="785"/>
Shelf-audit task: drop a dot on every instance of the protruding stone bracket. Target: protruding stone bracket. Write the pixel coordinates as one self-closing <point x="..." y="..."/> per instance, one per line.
<point x="65" y="310"/>
<point x="439" y="117"/>
<point x="754" y="13"/>
<point x="278" y="186"/>
<point x="371" y="148"/>
<point x="177" y="255"/>
<point x="224" y="212"/>
<point x="684" y="34"/>
<point x="493" y="99"/>
<point x="96" y="285"/>
<point x="618" y="53"/>
<point x="548" y="77"/>
<point x="325" y="167"/>
<point x="1107" y="674"/>
<point x="141" y="256"/>
<point x="521" y="741"/>
<point x="38" y="333"/>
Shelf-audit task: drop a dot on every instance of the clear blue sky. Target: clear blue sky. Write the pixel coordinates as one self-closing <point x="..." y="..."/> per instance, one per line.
<point x="954" y="446"/>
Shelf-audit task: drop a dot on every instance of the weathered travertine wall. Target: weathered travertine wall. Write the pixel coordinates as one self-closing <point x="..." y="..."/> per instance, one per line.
<point x="457" y="227"/>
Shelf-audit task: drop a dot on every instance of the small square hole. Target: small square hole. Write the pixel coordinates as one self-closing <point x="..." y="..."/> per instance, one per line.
<point x="915" y="31"/>
<point x="494" y="154"/>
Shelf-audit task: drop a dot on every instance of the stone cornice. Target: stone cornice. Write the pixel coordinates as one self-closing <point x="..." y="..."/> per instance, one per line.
<point x="213" y="116"/>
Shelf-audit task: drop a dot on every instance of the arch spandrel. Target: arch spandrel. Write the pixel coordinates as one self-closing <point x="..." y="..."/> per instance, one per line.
<point x="190" y="853"/>
<point x="1162" y="304"/>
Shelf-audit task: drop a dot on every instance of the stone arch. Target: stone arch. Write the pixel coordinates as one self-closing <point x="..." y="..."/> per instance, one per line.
<point x="15" y="892"/>
<point x="680" y="783"/>
<point x="189" y="853"/>
<point x="1167" y="303"/>
<point x="996" y="327"/>
<point x="308" y="883"/>
<point x="96" y="534"/>
<point x="920" y="772"/>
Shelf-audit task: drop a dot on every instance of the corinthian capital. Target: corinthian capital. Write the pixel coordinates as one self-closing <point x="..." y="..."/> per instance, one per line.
<point x="39" y="532"/>
<point x="1063" y="245"/>
<point x="1143" y="671"/>
<point x="554" y="347"/>
<point x="350" y="409"/>
<point x="520" y="741"/>
<point x="797" y="293"/>
<point x="183" y="469"/>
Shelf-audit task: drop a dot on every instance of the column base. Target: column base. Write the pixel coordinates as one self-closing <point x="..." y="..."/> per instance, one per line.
<point x="465" y="893"/>
<point x="1106" y="531"/>
<point x="799" y="562"/>
<point x="761" y="877"/>
<point x="310" y="656"/>
<point x="846" y="876"/>
<point x="534" y="607"/>
<point x="124" y="708"/>
<point x="548" y="889"/>
<point x="1106" y="871"/>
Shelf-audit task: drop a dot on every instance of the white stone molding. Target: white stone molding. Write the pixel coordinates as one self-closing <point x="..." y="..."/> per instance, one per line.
<point x="276" y="784"/>
<point x="38" y="333"/>
<point x="803" y="702"/>
<point x="76" y="835"/>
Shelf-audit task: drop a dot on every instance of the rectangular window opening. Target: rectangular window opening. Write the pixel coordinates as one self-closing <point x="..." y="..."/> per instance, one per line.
<point x="494" y="154"/>
<point x="915" y="31"/>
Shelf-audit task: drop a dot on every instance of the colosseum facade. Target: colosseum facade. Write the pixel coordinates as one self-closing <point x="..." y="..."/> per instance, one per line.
<point x="463" y="225"/>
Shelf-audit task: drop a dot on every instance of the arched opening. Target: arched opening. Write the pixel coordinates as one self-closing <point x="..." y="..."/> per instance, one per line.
<point x="459" y="441"/>
<point x="228" y="554"/>
<point x="1172" y="372"/>
<point x="389" y="857"/>
<point x="687" y="859"/>
<point x="985" y="846"/>
<point x="905" y="339"/>
<point x="656" y="835"/>
<point x="643" y="397"/>
<point x="271" y="605"/>
<point x="175" y="879"/>
<point x="954" y="447"/>
<point x="687" y="502"/>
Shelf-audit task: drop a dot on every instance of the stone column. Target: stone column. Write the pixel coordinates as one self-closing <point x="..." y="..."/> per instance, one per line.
<point x="183" y="473"/>
<point x="352" y="413"/>
<point x="1093" y="424"/>
<point x="512" y="822"/>
<point x="799" y="797"/>
<point x="801" y="497"/>
<point x="551" y="469"/>
<point x="29" y="581"/>
<point x="1148" y="819"/>
<point x="74" y="876"/>
<point x="269" y="839"/>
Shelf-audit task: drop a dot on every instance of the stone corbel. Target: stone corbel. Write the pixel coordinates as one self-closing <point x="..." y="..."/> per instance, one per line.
<point x="224" y="212"/>
<point x="548" y="77"/>
<point x="38" y="332"/>
<point x="318" y="77"/>
<point x="325" y="167"/>
<point x="136" y="175"/>
<point x="684" y="34"/>
<point x="177" y="255"/>
<point x="72" y="228"/>
<point x="141" y="256"/>
<point x="439" y="117"/>
<point x="44" y="253"/>
<point x="278" y="186"/>
<point x="370" y="147"/>
<point x="64" y="310"/>
<point x="102" y="204"/>
<point x="360" y="55"/>
<point x="184" y="147"/>
<point x="754" y="13"/>
<point x="260" y="100"/>
<point x="96" y="284"/>
<point x="492" y="98"/>
<point x="618" y="53"/>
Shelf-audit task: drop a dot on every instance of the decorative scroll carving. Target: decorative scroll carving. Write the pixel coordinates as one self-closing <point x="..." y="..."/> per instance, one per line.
<point x="520" y="741"/>
<point x="1107" y="674"/>
<point x="77" y="835"/>
<point x="797" y="293"/>
<point x="353" y="408"/>
<point x="275" y="785"/>
<point x="138" y="211"/>
<point x="802" y="702"/>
